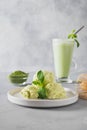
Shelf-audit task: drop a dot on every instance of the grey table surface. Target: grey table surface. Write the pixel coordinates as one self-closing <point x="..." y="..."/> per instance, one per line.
<point x="14" y="117"/>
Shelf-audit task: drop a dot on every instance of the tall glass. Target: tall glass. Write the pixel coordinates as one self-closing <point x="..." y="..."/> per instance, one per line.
<point x="63" y="52"/>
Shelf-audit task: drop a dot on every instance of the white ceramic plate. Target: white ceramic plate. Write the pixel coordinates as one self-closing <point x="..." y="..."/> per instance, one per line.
<point x="15" y="97"/>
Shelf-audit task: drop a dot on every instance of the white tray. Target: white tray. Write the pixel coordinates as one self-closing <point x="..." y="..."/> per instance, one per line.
<point x="15" y="97"/>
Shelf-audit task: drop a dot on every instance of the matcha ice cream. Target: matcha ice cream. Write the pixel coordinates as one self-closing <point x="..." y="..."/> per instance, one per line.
<point x="44" y="86"/>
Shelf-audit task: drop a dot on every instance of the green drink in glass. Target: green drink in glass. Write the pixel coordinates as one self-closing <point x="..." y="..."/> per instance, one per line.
<point x="63" y="52"/>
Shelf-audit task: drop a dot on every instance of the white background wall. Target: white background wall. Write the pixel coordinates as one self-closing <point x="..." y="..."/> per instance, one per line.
<point x="27" y="28"/>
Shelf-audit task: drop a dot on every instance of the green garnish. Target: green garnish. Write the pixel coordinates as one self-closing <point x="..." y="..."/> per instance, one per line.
<point x="40" y="79"/>
<point x="36" y="82"/>
<point x="40" y="83"/>
<point x="40" y="76"/>
<point x="73" y="35"/>
<point x="42" y="93"/>
<point x="77" y="42"/>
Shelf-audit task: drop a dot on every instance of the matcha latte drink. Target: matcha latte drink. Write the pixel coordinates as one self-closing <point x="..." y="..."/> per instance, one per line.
<point x="63" y="51"/>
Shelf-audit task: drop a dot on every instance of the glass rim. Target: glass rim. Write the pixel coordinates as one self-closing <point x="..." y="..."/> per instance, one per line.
<point x="56" y="40"/>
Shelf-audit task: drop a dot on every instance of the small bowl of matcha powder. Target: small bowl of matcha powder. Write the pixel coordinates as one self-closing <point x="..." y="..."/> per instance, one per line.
<point x="18" y="77"/>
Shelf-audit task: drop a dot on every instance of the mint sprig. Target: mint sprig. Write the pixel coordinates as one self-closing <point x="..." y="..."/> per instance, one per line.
<point x="77" y="42"/>
<point x="73" y="35"/>
<point x="40" y="79"/>
<point x="42" y="93"/>
<point x="40" y="83"/>
<point x="40" y="76"/>
<point x="36" y="82"/>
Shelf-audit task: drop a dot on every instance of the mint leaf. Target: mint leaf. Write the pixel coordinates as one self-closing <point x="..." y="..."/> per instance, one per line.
<point x="42" y="93"/>
<point x="40" y="79"/>
<point x="73" y="31"/>
<point x="40" y="76"/>
<point x="37" y="83"/>
<point x="77" y="42"/>
<point x="40" y="82"/>
<point x="72" y="35"/>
